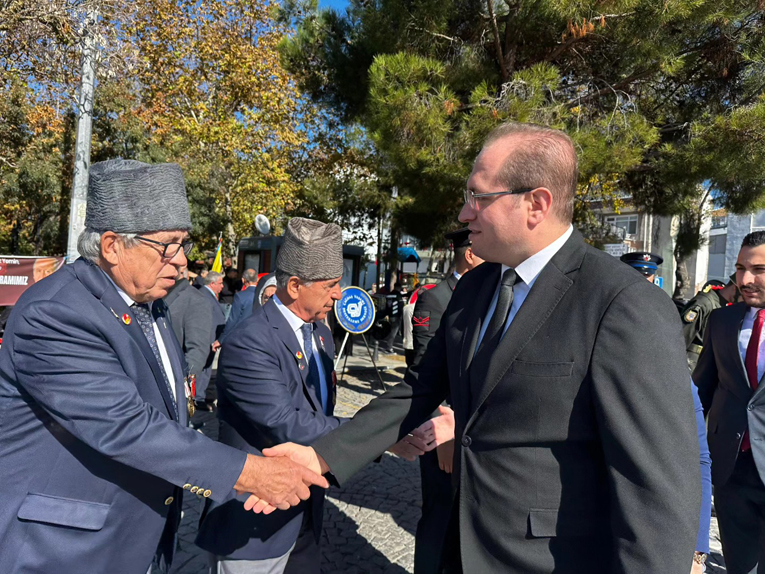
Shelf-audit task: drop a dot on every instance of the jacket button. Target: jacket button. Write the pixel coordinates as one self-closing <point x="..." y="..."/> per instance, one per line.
<point x="194" y="489"/>
<point x="186" y="486"/>
<point x="466" y="441"/>
<point x="738" y="435"/>
<point x="750" y="407"/>
<point x="207" y="493"/>
<point x="169" y="500"/>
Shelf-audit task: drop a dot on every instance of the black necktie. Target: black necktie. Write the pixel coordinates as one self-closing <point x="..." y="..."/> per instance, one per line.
<point x="143" y="316"/>
<point x="480" y="364"/>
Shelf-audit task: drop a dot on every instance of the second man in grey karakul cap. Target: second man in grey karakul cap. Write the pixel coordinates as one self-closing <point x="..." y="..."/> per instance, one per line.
<point x="312" y="250"/>
<point x="276" y="384"/>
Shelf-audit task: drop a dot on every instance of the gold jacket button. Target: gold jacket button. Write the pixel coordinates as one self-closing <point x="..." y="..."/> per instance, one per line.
<point x="169" y="500"/>
<point x="194" y="489"/>
<point x="207" y="493"/>
<point x="186" y="486"/>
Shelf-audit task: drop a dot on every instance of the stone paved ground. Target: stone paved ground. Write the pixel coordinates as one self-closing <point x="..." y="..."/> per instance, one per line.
<point x="369" y="524"/>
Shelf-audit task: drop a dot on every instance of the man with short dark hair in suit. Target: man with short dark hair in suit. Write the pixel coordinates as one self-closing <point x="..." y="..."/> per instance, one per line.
<point x="210" y="290"/>
<point x="575" y="442"/>
<point x="191" y="318"/>
<point x="729" y="375"/>
<point x="95" y="455"/>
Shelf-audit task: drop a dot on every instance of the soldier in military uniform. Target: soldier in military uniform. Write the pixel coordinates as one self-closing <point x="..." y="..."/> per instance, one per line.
<point x="695" y="314"/>
<point x="645" y="263"/>
<point x="436" y="483"/>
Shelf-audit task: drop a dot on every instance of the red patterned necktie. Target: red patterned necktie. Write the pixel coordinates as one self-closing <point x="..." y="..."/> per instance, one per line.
<point x="752" y="352"/>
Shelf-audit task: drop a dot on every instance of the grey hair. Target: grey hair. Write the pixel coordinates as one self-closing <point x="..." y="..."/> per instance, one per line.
<point x="89" y="243"/>
<point x="212" y="277"/>
<point x="282" y="278"/>
<point x="250" y="275"/>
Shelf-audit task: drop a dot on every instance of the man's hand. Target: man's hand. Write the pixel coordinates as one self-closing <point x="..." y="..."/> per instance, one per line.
<point x="697" y="568"/>
<point x="446" y="456"/>
<point x="437" y="430"/>
<point x="304" y="455"/>
<point x="276" y="483"/>
<point x="410" y="447"/>
<point x="215" y="346"/>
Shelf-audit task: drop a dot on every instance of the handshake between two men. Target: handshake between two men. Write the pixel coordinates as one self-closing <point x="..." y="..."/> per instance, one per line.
<point x="284" y="477"/>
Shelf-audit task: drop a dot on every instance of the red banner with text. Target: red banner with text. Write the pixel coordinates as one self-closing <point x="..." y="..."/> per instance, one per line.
<point x="17" y="274"/>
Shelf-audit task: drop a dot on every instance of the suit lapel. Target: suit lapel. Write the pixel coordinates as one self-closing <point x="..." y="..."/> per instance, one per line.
<point x="483" y="299"/>
<point x="288" y="337"/>
<point x="549" y="288"/>
<point x="96" y="281"/>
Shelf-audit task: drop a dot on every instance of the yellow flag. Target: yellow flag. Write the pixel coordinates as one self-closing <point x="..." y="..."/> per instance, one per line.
<point x="218" y="263"/>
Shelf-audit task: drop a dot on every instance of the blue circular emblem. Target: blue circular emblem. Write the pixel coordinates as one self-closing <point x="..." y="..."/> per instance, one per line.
<point x="355" y="310"/>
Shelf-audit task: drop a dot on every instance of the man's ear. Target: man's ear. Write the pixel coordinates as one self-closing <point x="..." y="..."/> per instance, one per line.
<point x="541" y="202"/>
<point x="292" y="287"/>
<point x="110" y="246"/>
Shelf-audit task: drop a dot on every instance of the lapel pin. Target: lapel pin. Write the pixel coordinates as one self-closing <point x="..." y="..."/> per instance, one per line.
<point x="302" y="366"/>
<point x="126" y="319"/>
<point x="299" y="355"/>
<point x="321" y="339"/>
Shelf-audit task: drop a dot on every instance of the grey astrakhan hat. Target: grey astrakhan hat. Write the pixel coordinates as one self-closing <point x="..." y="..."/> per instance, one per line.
<point x="311" y="250"/>
<point x="127" y="196"/>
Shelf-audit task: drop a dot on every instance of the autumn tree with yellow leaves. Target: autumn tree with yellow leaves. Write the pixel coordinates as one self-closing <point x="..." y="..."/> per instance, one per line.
<point x="193" y="82"/>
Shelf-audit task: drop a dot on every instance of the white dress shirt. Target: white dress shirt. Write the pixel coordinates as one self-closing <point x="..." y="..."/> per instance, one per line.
<point x="528" y="271"/>
<point x="166" y="364"/>
<point x="297" y="324"/>
<point x="743" y="341"/>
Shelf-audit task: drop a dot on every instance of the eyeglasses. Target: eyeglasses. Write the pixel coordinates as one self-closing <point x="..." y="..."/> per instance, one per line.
<point x="471" y="196"/>
<point x="170" y="250"/>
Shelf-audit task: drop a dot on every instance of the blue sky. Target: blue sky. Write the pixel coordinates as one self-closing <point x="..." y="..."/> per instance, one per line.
<point x="336" y="4"/>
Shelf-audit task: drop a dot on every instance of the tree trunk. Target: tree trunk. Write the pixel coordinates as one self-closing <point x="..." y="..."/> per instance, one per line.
<point x="682" y="279"/>
<point x="229" y="247"/>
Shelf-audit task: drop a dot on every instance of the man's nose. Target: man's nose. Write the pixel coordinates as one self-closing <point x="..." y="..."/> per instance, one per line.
<point x="467" y="214"/>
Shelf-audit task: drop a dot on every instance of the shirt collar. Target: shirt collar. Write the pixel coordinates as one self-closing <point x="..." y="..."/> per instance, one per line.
<point x="752" y="313"/>
<point x="295" y="322"/>
<point x="125" y="297"/>
<point x="532" y="267"/>
<point x="457" y="275"/>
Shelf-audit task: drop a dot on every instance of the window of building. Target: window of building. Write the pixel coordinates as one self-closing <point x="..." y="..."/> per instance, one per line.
<point x="717" y="244"/>
<point x="628" y="223"/>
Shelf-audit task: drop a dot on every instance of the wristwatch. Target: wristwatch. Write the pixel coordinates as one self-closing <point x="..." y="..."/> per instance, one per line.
<point x="699" y="558"/>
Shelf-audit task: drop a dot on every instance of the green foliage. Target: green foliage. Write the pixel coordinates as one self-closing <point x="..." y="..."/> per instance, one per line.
<point x="659" y="97"/>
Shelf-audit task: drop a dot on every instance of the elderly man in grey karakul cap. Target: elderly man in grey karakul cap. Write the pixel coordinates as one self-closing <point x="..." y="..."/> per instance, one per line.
<point x="95" y="453"/>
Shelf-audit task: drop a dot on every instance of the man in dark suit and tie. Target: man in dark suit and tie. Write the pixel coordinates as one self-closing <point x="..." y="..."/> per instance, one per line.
<point x="575" y="440"/>
<point x="213" y="285"/>
<point x="191" y="318"/>
<point x="95" y="454"/>
<point x="729" y="375"/>
<point x="276" y="382"/>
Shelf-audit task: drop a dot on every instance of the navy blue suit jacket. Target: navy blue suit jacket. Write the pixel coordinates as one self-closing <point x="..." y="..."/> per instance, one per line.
<point x="93" y="459"/>
<point x="240" y="310"/>
<point x="263" y="400"/>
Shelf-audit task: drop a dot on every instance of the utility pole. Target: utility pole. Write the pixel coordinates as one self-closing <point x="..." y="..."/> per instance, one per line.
<point x="84" y="130"/>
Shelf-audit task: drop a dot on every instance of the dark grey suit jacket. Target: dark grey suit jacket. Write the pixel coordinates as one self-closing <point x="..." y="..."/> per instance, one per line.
<point x="727" y="398"/>
<point x="191" y="317"/>
<point x="578" y="452"/>
<point x="215" y="328"/>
